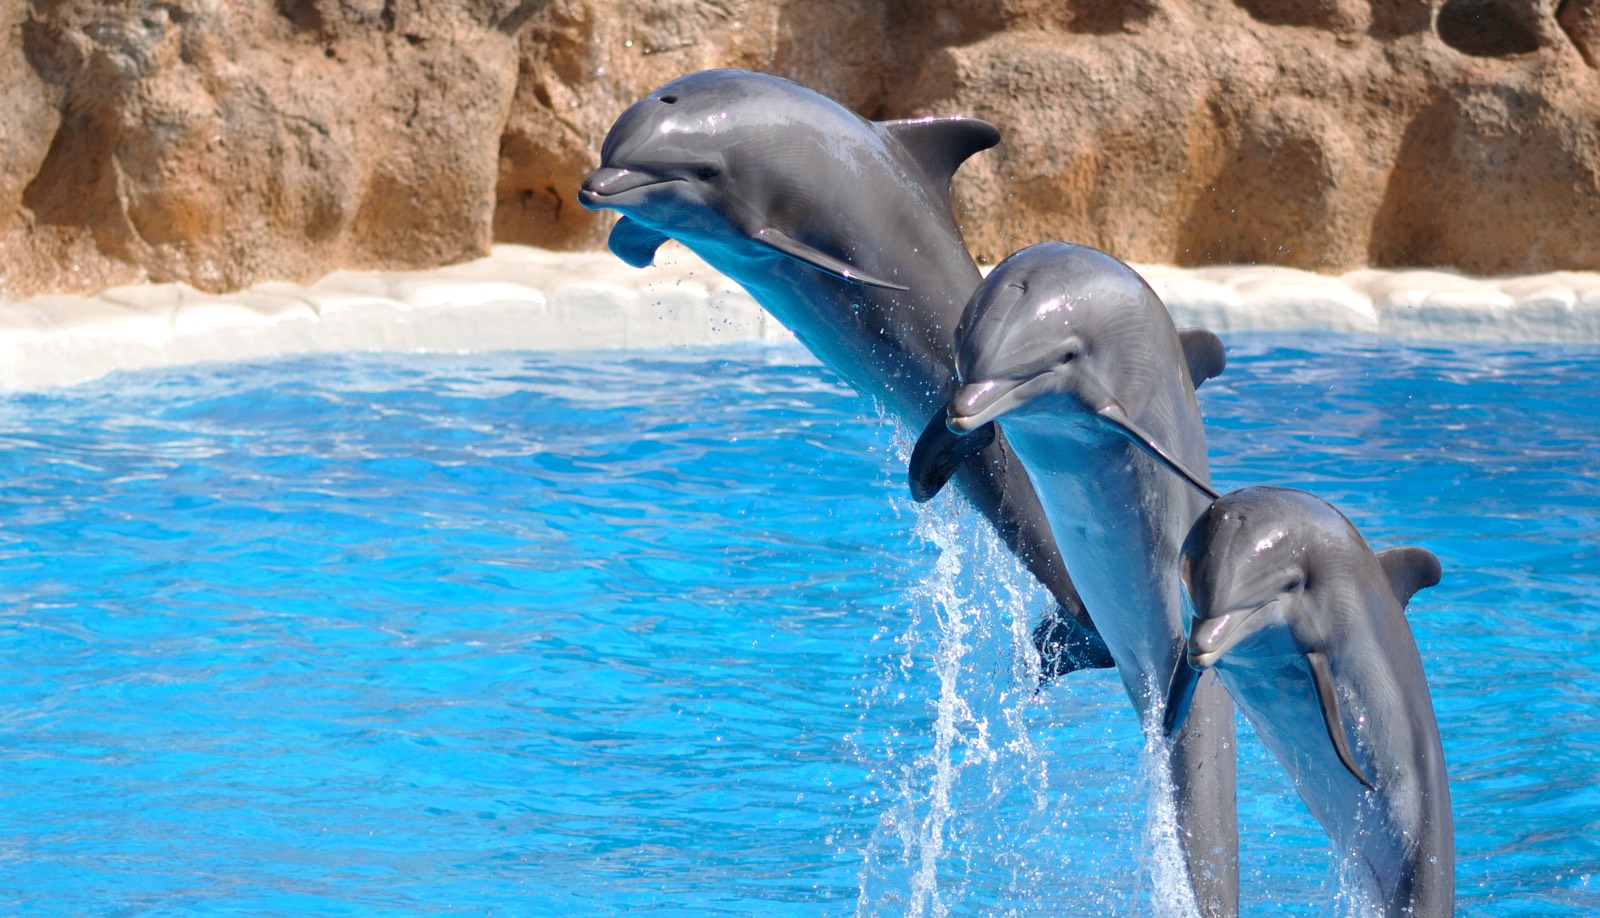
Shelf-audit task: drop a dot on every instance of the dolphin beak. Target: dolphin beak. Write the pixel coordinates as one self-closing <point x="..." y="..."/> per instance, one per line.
<point x="1210" y="638"/>
<point x="608" y="182"/>
<point x="1114" y="415"/>
<point x="976" y="404"/>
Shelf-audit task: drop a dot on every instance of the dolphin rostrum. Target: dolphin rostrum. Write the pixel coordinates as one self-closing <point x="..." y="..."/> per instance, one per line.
<point x="1078" y="362"/>
<point x="1306" y="627"/>
<point x="842" y="229"/>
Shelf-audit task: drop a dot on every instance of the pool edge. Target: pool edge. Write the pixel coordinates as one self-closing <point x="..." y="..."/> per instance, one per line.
<point x="522" y="298"/>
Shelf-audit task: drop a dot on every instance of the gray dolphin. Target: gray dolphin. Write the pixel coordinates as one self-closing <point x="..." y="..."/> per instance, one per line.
<point x="842" y="229"/>
<point x="1306" y="627"/>
<point x="1078" y="361"/>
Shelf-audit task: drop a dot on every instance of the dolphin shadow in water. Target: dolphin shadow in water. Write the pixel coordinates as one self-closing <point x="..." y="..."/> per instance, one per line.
<point x="1072" y="355"/>
<point x="1306" y="627"/>
<point x="842" y="229"/>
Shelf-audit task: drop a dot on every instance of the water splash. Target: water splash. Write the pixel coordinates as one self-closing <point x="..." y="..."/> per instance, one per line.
<point x="982" y="806"/>
<point x="972" y="788"/>
<point x="976" y="813"/>
<point x="915" y="859"/>
<point x="955" y="724"/>
<point x="1171" y="895"/>
<point x="914" y="824"/>
<point x="1354" y="892"/>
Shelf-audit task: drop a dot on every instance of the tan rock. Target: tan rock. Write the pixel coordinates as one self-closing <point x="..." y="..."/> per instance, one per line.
<point x="1308" y="148"/>
<point x="584" y="62"/>
<point x="225" y="142"/>
<point x="1580" y="20"/>
<point x="1320" y="134"/>
<point x="222" y="143"/>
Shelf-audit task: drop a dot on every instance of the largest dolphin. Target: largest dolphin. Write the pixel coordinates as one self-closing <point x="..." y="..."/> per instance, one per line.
<point x="842" y="229"/>
<point x="1307" y="627"/>
<point x="1078" y="361"/>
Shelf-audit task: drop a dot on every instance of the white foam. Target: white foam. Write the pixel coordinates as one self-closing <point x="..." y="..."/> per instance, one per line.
<point x="524" y="298"/>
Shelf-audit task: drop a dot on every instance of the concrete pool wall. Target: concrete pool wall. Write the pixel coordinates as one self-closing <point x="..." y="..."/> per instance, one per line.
<point x="522" y="298"/>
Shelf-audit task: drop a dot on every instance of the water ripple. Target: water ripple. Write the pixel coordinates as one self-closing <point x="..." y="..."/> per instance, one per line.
<point x="659" y="631"/>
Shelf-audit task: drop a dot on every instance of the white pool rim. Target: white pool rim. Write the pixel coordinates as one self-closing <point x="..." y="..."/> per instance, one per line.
<point x="521" y="298"/>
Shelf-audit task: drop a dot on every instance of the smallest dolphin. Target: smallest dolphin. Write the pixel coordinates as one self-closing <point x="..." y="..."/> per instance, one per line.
<point x="1306" y="627"/>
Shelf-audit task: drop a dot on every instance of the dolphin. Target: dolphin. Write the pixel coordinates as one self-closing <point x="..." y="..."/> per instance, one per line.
<point x="1306" y="627"/>
<point x="842" y="229"/>
<point x="1076" y="359"/>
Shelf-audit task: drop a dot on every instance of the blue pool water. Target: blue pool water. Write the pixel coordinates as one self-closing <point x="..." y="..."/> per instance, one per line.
<point x="661" y="633"/>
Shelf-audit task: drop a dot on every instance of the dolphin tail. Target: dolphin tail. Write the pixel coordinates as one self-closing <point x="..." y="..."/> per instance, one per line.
<point x="1205" y="775"/>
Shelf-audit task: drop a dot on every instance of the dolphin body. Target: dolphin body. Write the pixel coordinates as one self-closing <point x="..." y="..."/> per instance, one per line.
<point x="842" y="229"/>
<point x="1306" y="627"/>
<point x="1078" y="361"/>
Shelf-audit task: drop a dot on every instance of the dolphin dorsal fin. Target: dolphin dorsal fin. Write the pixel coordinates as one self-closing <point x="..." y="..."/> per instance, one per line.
<point x="941" y="145"/>
<point x="939" y="453"/>
<point x="1409" y="569"/>
<point x="1204" y="353"/>
<point x="1328" y="701"/>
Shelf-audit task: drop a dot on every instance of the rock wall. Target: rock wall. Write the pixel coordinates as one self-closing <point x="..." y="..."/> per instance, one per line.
<point x="222" y="142"/>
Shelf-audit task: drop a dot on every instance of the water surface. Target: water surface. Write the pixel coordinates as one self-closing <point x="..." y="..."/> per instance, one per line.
<point x="660" y="632"/>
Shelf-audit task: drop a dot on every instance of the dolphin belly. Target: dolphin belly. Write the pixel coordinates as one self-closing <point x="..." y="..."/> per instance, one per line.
<point x="1383" y="836"/>
<point x="1119" y="520"/>
<point x="1099" y="500"/>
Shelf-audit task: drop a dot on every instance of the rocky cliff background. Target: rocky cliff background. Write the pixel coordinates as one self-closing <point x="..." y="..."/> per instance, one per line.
<point x="225" y="142"/>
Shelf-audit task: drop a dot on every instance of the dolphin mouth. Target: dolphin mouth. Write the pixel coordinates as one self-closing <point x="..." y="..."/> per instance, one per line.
<point x="979" y="403"/>
<point x="609" y="182"/>
<point x="976" y="404"/>
<point x="1210" y="639"/>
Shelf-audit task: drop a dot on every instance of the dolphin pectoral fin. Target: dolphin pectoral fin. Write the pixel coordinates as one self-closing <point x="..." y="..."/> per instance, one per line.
<point x="1119" y="421"/>
<point x="635" y="243"/>
<point x="939" y="452"/>
<point x="1179" y="694"/>
<point x="1328" y="700"/>
<point x="780" y="241"/>
<point x="1204" y="353"/>
<point x="1409" y="569"/>
<point x="940" y="145"/>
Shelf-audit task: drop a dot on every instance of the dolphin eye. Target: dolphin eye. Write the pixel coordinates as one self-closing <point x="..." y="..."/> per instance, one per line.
<point x="669" y="99"/>
<point x="705" y="173"/>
